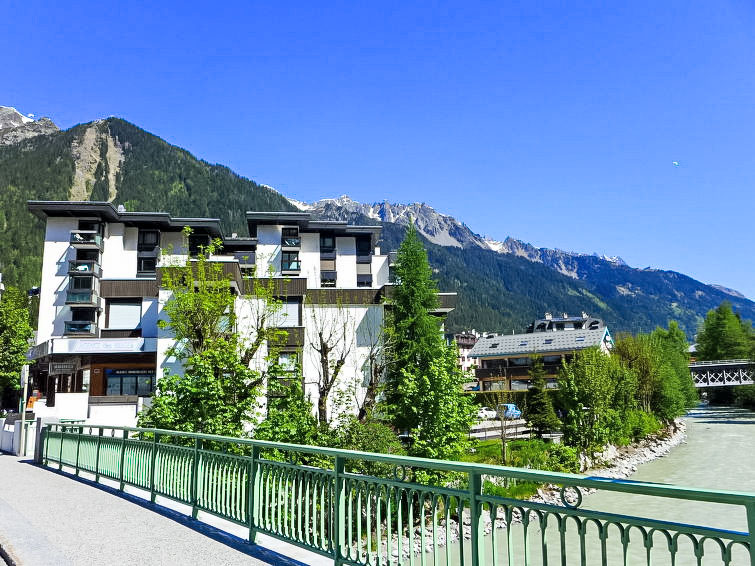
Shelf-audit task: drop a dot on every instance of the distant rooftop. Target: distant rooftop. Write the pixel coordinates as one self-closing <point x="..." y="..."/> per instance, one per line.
<point x="492" y="345"/>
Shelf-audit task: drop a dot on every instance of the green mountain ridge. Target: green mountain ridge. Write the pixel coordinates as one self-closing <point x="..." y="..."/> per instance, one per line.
<point x="112" y="160"/>
<point x="115" y="160"/>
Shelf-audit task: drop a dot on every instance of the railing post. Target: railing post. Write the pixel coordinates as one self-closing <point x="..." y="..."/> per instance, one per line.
<point x="97" y="456"/>
<point x="337" y="536"/>
<point x="194" y="482"/>
<point x="78" y="446"/>
<point x="45" y="439"/>
<point x="60" y="452"/>
<point x="123" y="458"/>
<point x="252" y="494"/>
<point x="475" y="490"/>
<point x="152" y="468"/>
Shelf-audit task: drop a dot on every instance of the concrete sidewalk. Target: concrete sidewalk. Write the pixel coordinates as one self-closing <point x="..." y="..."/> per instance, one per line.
<point x="52" y="518"/>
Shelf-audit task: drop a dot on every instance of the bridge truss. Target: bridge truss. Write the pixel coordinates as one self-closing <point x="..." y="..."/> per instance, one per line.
<point x="721" y="373"/>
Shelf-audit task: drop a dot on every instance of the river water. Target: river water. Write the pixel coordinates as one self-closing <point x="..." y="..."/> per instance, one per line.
<point x="719" y="453"/>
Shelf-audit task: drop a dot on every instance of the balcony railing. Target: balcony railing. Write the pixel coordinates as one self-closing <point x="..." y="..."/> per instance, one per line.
<point x="77" y="297"/>
<point x="364" y="258"/>
<point x="245" y="259"/>
<point x="294" y="265"/>
<point x="86" y="240"/>
<point x="80" y="327"/>
<point x="291" y="242"/>
<point x="84" y="267"/>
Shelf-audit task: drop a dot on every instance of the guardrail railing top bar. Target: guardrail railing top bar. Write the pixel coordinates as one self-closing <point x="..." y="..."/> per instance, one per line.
<point x="537" y="476"/>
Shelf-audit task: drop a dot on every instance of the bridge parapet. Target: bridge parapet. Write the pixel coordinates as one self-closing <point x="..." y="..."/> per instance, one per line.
<point x="721" y="373"/>
<point x="362" y="508"/>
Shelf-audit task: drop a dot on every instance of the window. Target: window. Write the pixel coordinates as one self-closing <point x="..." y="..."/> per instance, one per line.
<point x="287" y="361"/>
<point x="580" y="339"/>
<point x="523" y="343"/>
<point x="83" y="315"/>
<point x="146" y="265"/>
<point x="81" y="283"/>
<point x="327" y="243"/>
<point x="139" y="382"/>
<point x="290" y="261"/>
<point x="290" y="232"/>
<point x="148" y="240"/>
<point x="548" y="341"/>
<point x="288" y="315"/>
<point x="495" y="345"/>
<point x="559" y="326"/>
<point x="364" y="280"/>
<point x="197" y="243"/>
<point x="364" y="245"/>
<point x="125" y="314"/>
<point x="328" y="278"/>
<point x="89" y="225"/>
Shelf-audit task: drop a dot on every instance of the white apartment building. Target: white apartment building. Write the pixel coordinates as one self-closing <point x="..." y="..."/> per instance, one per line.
<point x="99" y="350"/>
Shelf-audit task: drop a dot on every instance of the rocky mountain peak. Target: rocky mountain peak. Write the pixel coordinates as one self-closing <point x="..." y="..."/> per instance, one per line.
<point x="12" y="118"/>
<point x="15" y="127"/>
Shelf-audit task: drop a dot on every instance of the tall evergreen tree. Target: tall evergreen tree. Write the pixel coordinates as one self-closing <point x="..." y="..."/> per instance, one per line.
<point x="540" y="413"/>
<point x="424" y="385"/>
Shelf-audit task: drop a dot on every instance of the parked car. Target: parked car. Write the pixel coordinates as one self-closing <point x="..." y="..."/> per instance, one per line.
<point x="509" y="411"/>
<point x="486" y="414"/>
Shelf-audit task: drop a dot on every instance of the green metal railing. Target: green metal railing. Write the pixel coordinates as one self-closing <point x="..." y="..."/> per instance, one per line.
<point x="373" y="509"/>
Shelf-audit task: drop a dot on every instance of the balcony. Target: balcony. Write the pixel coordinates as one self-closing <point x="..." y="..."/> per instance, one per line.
<point x="327" y="254"/>
<point x="291" y="265"/>
<point x="84" y="267"/>
<point x="86" y="240"/>
<point x="80" y="328"/>
<point x="245" y="259"/>
<point x="364" y="258"/>
<point x="291" y="242"/>
<point x="83" y="298"/>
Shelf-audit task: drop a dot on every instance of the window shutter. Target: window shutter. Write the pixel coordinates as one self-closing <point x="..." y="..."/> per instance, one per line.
<point x="124" y="315"/>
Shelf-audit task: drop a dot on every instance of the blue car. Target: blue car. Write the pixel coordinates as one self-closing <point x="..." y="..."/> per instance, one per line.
<point x="509" y="411"/>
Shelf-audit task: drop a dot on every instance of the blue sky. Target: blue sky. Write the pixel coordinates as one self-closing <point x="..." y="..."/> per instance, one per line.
<point x="555" y="123"/>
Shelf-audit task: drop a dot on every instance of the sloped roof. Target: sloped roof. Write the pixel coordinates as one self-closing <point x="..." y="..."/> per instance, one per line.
<point x="536" y="342"/>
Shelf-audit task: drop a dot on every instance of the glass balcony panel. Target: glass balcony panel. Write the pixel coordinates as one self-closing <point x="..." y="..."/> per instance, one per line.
<point x="84" y="267"/>
<point x="294" y="265"/>
<point x="82" y="298"/>
<point x="86" y="239"/>
<point x="80" y="327"/>
<point x="291" y="242"/>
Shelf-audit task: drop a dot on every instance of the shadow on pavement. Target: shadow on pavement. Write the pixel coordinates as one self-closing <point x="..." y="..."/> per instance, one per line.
<point x="237" y="543"/>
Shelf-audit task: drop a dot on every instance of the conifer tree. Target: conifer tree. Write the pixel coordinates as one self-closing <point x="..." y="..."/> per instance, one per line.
<point x="424" y="387"/>
<point x="541" y="416"/>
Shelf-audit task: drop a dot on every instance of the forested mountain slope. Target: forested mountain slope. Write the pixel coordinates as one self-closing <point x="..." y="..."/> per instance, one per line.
<point x="116" y="161"/>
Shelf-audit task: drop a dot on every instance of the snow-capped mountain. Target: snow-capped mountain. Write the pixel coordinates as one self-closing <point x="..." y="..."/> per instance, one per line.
<point x="445" y="230"/>
<point x="12" y="118"/>
<point x="15" y="127"/>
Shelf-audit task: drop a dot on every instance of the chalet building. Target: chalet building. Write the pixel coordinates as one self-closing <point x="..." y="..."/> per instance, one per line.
<point x="506" y="359"/>
<point x="465" y="341"/>
<point x="99" y="350"/>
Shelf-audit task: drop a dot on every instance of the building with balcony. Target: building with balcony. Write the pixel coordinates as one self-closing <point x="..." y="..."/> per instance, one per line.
<point x="506" y="359"/>
<point x="99" y="349"/>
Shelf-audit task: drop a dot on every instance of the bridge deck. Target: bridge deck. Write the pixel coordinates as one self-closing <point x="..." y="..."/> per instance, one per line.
<point x="48" y="519"/>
